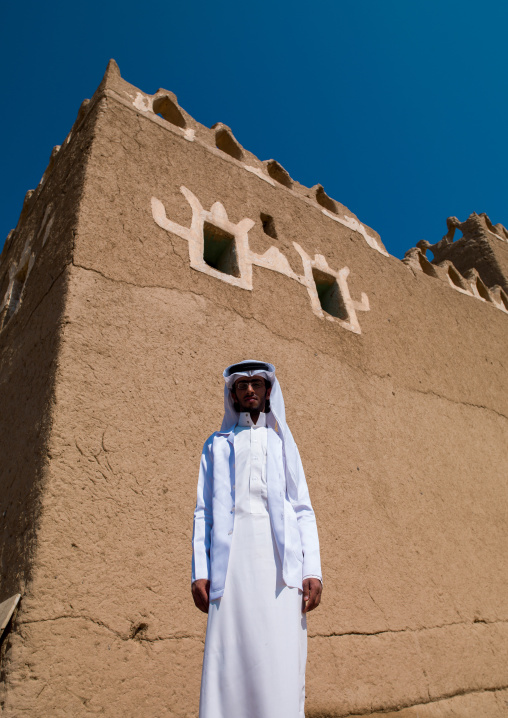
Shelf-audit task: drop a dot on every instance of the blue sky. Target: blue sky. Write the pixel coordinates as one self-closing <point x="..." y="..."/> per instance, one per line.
<point x="399" y="108"/>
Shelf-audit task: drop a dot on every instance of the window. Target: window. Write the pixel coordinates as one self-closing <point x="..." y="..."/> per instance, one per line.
<point x="220" y="251"/>
<point x="268" y="225"/>
<point x="329" y="295"/>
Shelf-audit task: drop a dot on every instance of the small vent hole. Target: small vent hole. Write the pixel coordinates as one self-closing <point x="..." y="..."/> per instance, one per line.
<point x="220" y="250"/>
<point x="329" y="295"/>
<point x="168" y="110"/>
<point x="138" y="630"/>
<point x="268" y="225"/>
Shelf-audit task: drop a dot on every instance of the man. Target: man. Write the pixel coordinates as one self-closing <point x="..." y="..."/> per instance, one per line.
<point x="255" y="568"/>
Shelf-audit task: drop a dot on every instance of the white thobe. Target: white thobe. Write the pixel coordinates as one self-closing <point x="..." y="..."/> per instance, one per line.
<point x="256" y="637"/>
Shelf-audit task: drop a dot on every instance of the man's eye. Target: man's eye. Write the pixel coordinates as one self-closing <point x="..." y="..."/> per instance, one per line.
<point x="242" y="386"/>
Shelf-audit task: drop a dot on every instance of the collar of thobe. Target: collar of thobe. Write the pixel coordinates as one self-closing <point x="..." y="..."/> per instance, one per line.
<point x="245" y="419"/>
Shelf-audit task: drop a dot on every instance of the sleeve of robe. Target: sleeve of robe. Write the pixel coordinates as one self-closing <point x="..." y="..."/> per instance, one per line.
<point x="203" y="516"/>
<point x="307" y="527"/>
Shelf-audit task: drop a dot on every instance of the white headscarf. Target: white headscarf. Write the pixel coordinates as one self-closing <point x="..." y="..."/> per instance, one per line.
<point x="275" y="419"/>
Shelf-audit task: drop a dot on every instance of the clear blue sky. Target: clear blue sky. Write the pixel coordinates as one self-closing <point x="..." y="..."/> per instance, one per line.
<point x="398" y="107"/>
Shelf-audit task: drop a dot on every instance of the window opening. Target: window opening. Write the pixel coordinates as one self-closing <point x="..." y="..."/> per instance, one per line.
<point x="166" y="108"/>
<point x="220" y="250"/>
<point x="268" y="225"/>
<point x="329" y="295"/>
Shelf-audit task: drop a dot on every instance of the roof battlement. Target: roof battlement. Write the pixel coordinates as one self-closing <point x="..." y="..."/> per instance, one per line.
<point x="163" y="108"/>
<point x="472" y="264"/>
<point x="469" y="265"/>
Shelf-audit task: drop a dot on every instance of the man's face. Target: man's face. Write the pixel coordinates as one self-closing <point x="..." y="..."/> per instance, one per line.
<point x="251" y="393"/>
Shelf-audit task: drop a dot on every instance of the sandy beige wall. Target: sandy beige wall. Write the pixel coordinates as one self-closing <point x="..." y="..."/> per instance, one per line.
<point x="42" y="243"/>
<point x="401" y="429"/>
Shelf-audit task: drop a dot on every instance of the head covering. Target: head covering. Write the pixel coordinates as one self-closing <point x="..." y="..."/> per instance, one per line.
<point x="275" y="419"/>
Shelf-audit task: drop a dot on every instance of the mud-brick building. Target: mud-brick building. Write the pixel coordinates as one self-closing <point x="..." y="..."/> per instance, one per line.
<point x="155" y="252"/>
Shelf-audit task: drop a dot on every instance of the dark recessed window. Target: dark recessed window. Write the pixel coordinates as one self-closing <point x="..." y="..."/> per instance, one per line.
<point x="220" y="250"/>
<point x="268" y="225"/>
<point x="329" y="294"/>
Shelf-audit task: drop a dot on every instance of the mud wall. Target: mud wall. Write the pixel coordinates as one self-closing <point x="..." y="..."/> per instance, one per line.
<point x="33" y="277"/>
<point x="398" y="401"/>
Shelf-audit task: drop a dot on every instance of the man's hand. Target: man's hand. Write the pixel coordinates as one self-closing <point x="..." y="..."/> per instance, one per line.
<point x="201" y="594"/>
<point x="312" y="588"/>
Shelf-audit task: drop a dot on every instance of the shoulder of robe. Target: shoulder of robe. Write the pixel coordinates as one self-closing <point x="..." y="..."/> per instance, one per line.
<point x="207" y="446"/>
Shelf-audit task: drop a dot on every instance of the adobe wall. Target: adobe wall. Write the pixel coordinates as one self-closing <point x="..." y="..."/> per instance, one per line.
<point x="33" y="279"/>
<point x="399" y="406"/>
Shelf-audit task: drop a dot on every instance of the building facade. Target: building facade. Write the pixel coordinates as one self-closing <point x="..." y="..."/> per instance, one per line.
<point x="154" y="253"/>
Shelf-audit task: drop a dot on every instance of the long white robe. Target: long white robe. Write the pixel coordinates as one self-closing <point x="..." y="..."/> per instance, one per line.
<point x="256" y="638"/>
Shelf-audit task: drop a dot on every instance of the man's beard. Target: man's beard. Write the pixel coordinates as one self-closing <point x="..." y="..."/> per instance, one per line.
<point x="264" y="407"/>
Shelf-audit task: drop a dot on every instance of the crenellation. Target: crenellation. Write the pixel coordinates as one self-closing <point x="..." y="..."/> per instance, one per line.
<point x="163" y="107"/>
<point x="226" y="141"/>
<point x="499" y="230"/>
<point x="51" y="163"/>
<point x="278" y="173"/>
<point x="83" y="109"/>
<point x="478" y="288"/>
<point x="323" y="199"/>
<point x="499" y="297"/>
<point x="472" y="264"/>
<point x="165" y="104"/>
